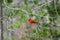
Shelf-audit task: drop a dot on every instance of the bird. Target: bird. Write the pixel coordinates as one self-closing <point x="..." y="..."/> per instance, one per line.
<point x="31" y="21"/>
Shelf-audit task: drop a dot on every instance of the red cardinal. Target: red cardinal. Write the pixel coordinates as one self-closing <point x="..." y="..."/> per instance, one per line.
<point x="31" y="21"/>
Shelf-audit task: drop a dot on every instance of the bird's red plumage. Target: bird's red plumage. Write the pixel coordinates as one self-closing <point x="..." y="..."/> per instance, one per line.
<point x="31" y="21"/>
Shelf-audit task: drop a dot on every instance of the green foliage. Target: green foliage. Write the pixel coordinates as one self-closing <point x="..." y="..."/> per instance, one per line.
<point x="23" y="19"/>
<point x="58" y="32"/>
<point x="24" y="6"/>
<point x="6" y="38"/>
<point x="52" y="11"/>
<point x="46" y="33"/>
<point x="58" y="9"/>
<point x="37" y="19"/>
<point x="40" y="33"/>
<point x="10" y="38"/>
<point x="8" y="13"/>
<point x="36" y="1"/>
<point x="46" y="25"/>
<point x="41" y="13"/>
<point x="30" y="14"/>
<point x="34" y="31"/>
<point x="12" y="13"/>
<point x="57" y="21"/>
<point x="18" y="22"/>
<point x="0" y="1"/>
<point x="10" y="26"/>
<point x="9" y="1"/>
<point x="50" y="18"/>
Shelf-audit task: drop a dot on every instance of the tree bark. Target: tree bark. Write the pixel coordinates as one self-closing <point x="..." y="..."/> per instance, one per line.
<point x="1" y="16"/>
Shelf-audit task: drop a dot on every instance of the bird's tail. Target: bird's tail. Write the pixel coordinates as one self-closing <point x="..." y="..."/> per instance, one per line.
<point x="37" y="23"/>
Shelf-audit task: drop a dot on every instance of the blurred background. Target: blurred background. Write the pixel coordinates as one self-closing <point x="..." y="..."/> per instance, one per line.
<point x="16" y="15"/>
